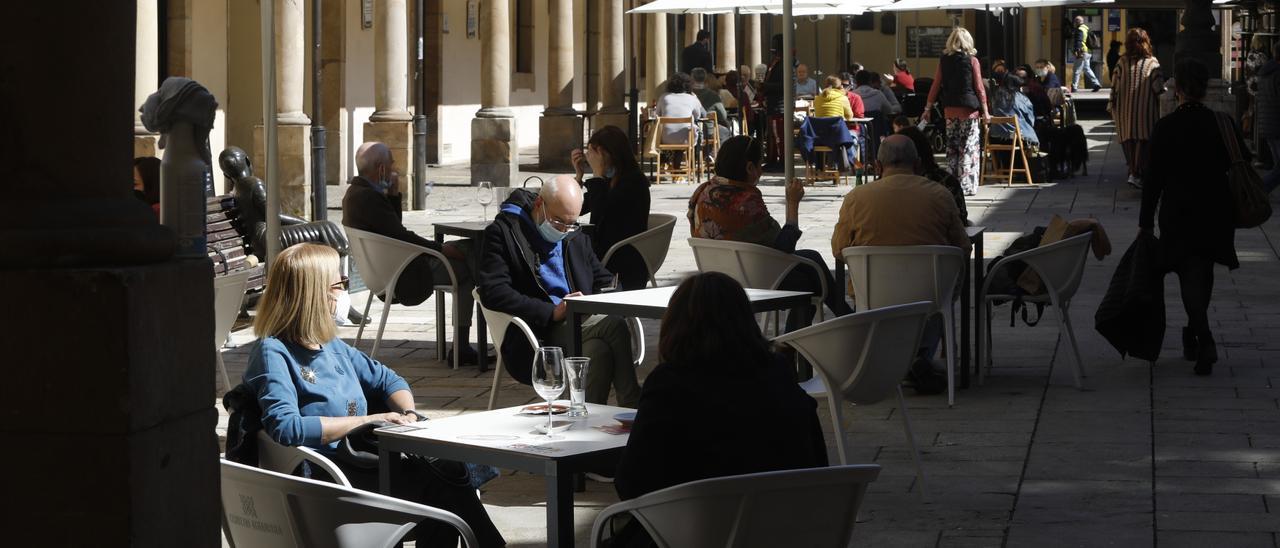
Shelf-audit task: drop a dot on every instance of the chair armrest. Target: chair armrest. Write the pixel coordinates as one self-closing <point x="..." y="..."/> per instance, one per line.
<point x="290" y="220"/>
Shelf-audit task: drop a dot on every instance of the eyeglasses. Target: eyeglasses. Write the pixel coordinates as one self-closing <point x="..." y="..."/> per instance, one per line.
<point x="344" y="284"/>
<point x="564" y="227"/>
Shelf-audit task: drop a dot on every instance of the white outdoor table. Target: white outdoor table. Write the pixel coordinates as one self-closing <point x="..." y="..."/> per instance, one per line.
<point x="506" y="439"/>
<point x="652" y="303"/>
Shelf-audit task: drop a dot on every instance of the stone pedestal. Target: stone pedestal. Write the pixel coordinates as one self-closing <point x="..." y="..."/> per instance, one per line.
<point x="398" y="136"/>
<point x="495" y="155"/>
<point x="146" y="145"/>
<point x="294" y="169"/>
<point x="557" y="137"/>
<point x="605" y="118"/>
<point x="134" y="361"/>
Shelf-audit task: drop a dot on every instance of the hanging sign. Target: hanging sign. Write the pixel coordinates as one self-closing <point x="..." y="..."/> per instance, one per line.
<point x="1113" y="20"/>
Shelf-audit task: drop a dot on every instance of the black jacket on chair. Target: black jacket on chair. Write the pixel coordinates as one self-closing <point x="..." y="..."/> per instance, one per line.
<point x="619" y="213"/>
<point x="509" y="280"/>
<point x="364" y="208"/>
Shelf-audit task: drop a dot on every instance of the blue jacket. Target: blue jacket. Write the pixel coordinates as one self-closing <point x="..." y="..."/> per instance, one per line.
<point x="831" y="132"/>
<point x="1004" y="103"/>
<point x="297" y="386"/>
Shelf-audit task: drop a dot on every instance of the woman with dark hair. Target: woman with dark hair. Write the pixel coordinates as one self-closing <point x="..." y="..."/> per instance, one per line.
<point x="930" y="170"/>
<point x="1135" y="91"/>
<point x="1197" y="223"/>
<point x="729" y="206"/>
<point x="903" y="81"/>
<point x="679" y="102"/>
<point x="146" y="181"/>
<point x="712" y="358"/>
<point x="617" y="197"/>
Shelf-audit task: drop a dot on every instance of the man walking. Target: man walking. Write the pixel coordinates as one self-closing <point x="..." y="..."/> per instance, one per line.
<point x="1080" y="48"/>
<point x="697" y="54"/>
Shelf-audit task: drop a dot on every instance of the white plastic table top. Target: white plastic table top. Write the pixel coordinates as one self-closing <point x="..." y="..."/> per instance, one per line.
<point x="652" y="302"/>
<point x="509" y="431"/>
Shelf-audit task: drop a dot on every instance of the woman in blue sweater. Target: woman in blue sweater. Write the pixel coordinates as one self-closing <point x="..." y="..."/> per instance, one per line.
<point x="312" y="386"/>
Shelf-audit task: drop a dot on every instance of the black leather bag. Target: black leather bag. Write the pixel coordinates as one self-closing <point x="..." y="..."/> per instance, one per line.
<point x="1131" y="316"/>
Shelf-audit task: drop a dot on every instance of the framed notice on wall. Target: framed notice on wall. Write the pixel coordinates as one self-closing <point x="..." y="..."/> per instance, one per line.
<point x="473" y="18"/>
<point x="926" y="42"/>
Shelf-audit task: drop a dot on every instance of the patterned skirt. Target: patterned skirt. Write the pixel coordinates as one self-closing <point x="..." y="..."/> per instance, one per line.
<point x="964" y="152"/>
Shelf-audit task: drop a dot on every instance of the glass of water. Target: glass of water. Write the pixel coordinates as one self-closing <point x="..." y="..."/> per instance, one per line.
<point x="484" y="195"/>
<point x="576" y="370"/>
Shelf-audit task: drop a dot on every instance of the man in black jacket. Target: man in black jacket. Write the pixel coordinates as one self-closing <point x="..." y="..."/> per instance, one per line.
<point x="697" y="54"/>
<point x="534" y="257"/>
<point x="372" y="204"/>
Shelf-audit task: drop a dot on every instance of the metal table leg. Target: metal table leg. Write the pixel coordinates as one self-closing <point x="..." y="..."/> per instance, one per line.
<point x="559" y="506"/>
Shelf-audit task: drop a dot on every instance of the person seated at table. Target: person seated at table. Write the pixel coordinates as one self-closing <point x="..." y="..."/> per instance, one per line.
<point x="712" y="358"/>
<point x="679" y="102"/>
<point x="1008" y="100"/>
<point x="313" y="389"/>
<point x="930" y="169"/>
<point x="146" y="181"/>
<point x="901" y="208"/>
<point x="729" y="206"/>
<point x="534" y="257"/>
<point x="729" y="91"/>
<point x="900" y="123"/>
<point x="617" y="198"/>
<point x="711" y="102"/>
<point x="903" y="82"/>
<point x="1040" y="104"/>
<point x="855" y="100"/>
<point x="805" y="86"/>
<point x="832" y="102"/>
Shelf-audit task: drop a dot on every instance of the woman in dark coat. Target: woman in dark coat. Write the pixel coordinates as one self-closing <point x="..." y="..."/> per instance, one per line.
<point x="617" y="197"/>
<point x="1196" y="210"/>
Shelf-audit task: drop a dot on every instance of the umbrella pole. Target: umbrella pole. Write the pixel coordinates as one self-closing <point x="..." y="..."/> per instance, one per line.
<point x="788" y="94"/>
<point x="269" y="129"/>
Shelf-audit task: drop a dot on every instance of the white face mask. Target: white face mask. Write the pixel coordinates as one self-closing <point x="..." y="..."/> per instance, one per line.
<point x="341" y="304"/>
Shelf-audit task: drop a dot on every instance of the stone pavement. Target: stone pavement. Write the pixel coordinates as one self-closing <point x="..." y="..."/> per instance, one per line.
<point x="1146" y="454"/>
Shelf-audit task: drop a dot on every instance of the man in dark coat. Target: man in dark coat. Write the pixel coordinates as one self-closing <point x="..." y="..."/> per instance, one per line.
<point x="372" y="204"/>
<point x="697" y="54"/>
<point x="535" y="257"/>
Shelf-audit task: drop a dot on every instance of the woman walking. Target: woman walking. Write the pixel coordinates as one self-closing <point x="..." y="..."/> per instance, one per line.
<point x="957" y="84"/>
<point x="1134" y="104"/>
<point x="1197" y="224"/>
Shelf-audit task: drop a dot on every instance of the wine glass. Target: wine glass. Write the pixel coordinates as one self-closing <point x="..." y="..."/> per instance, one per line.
<point x="484" y="195"/>
<point x="548" y="377"/>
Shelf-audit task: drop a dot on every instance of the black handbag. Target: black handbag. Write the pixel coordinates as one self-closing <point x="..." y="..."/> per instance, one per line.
<point x="1131" y="316"/>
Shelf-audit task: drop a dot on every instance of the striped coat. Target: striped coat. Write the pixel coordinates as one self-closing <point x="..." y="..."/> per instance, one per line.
<point x="1133" y="99"/>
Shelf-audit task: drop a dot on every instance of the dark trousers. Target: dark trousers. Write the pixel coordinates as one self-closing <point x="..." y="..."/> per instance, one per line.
<point x="1195" y="277"/>
<point x="806" y="279"/>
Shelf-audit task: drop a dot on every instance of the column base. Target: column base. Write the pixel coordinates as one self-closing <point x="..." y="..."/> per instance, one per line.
<point x="145" y="145"/>
<point x="294" y="169"/>
<point x="557" y="137"/>
<point x="398" y="136"/>
<point x="495" y="152"/>
<point x="605" y="118"/>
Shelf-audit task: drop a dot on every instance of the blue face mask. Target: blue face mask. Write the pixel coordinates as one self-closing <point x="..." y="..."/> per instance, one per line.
<point x="548" y="232"/>
<point x="609" y="173"/>
<point x="382" y="186"/>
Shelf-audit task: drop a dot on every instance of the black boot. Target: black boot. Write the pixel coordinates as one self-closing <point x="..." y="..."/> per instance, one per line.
<point x="1206" y="355"/>
<point x="1190" y="350"/>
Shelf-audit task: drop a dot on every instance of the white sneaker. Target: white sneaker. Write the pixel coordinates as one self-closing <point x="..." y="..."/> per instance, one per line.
<point x="599" y="478"/>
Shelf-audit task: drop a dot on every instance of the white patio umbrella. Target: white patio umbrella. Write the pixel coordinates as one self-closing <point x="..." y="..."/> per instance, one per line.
<point x="929" y="5"/>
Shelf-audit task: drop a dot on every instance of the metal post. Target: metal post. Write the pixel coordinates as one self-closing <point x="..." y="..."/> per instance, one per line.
<point x="419" y="116"/>
<point x="319" y="190"/>
<point x="633" y="105"/>
<point x="788" y="94"/>
<point x="268" y="14"/>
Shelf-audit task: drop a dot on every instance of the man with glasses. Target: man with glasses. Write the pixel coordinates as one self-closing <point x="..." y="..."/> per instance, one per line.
<point x="534" y="257"/>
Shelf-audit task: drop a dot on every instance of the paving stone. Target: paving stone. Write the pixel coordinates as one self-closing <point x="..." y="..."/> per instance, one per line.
<point x="1242" y="504"/>
<point x="1201" y="539"/>
<point x="1206" y="469"/>
<point x="1218" y="521"/>
<point x="1228" y="486"/>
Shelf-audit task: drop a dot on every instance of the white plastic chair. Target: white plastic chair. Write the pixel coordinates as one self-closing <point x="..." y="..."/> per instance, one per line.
<point x="806" y="507"/>
<point x="284" y="459"/>
<point x="228" y="296"/>
<point x="889" y="275"/>
<point x="862" y="357"/>
<point x="498" y="323"/>
<point x="1061" y="267"/>
<point x="652" y="244"/>
<point x="381" y="260"/>
<point x="264" y="509"/>
<point x="754" y="266"/>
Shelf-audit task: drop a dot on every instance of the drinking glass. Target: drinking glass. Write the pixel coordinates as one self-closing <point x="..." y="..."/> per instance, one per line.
<point x="484" y="195"/>
<point x="548" y="377"/>
<point x="576" y="368"/>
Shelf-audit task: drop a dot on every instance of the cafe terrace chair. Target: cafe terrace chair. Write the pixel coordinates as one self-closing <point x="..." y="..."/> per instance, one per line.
<point x="652" y="244"/>
<point x="380" y="261"/>
<point x="228" y="296"/>
<point x="498" y="323"/>
<point x="1016" y="150"/>
<point x="861" y="358"/>
<point x="688" y="148"/>
<point x="805" y="507"/>
<point x="264" y="509"/>
<point x="284" y="459"/>
<point x="710" y="143"/>
<point x="754" y="266"/>
<point x="889" y="275"/>
<point x="1060" y="266"/>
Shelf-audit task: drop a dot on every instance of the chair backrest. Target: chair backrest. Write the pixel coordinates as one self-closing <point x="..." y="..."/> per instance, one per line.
<point x="900" y="274"/>
<point x="269" y="509"/>
<point x="652" y="244"/>
<point x="381" y="259"/>
<point x="498" y="322"/>
<point x="753" y="266"/>
<point x="228" y="295"/>
<point x="863" y="356"/>
<point x="1059" y="264"/>
<point x="284" y="459"/>
<point x="808" y="507"/>
<point x="693" y="131"/>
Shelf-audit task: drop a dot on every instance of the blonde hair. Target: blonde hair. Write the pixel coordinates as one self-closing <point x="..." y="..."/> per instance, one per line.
<point x="1044" y="63"/>
<point x="295" y="305"/>
<point x="960" y="41"/>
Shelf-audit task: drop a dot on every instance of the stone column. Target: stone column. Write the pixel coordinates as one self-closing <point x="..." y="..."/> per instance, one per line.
<point x="1199" y="40"/>
<point x="613" y="76"/>
<point x="751" y="41"/>
<point x="726" y="44"/>
<point x="294" y="128"/>
<point x="146" y="72"/>
<point x="692" y="24"/>
<point x="656" y="57"/>
<point x="391" y="121"/>
<point x="560" y="128"/>
<point x="495" y="152"/>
